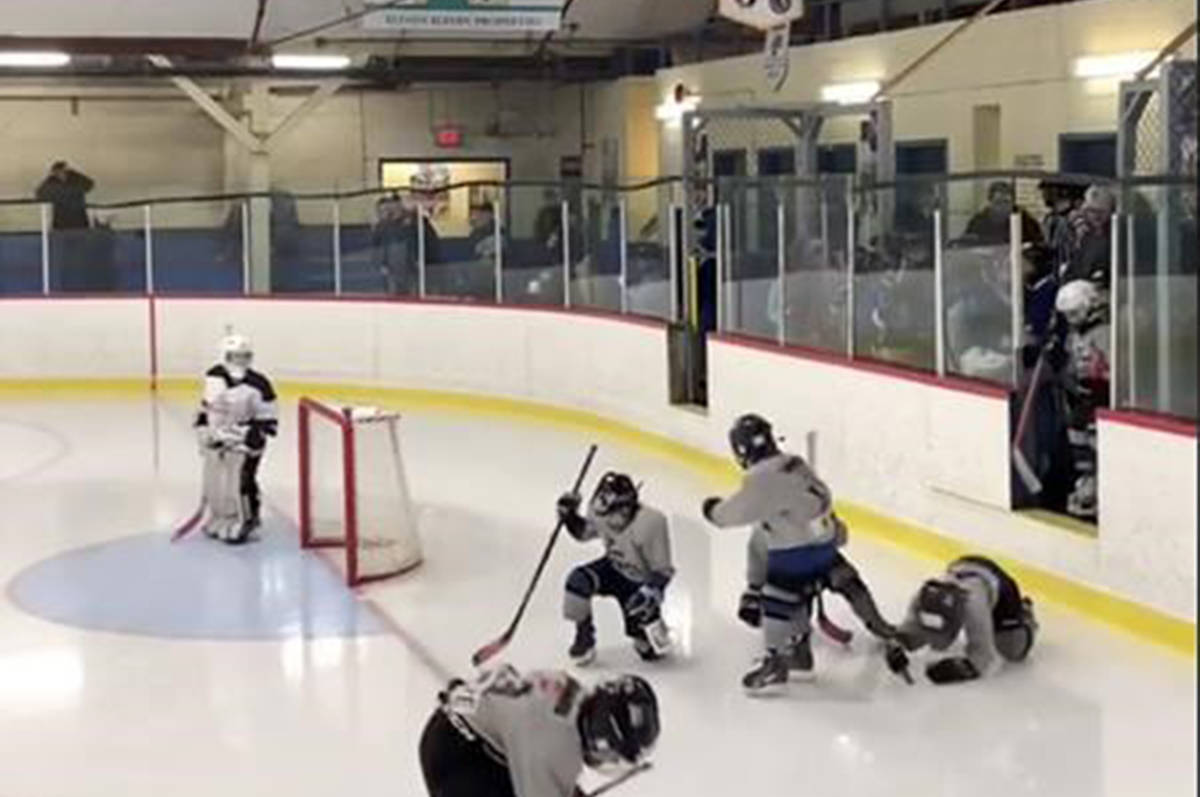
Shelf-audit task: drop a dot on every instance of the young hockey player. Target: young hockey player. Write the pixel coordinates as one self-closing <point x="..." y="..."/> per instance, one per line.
<point x="1082" y="361"/>
<point x="513" y="735"/>
<point x="237" y="414"/>
<point x="976" y="597"/>
<point x="635" y="569"/>
<point x="792" y="555"/>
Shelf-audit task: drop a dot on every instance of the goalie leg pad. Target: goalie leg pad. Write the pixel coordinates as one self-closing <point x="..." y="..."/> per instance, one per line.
<point x="222" y="494"/>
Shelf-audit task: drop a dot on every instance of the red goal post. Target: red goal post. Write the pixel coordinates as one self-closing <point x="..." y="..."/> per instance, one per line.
<point x="354" y="491"/>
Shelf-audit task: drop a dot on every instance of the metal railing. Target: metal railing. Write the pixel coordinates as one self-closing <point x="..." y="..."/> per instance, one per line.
<point x="925" y="273"/>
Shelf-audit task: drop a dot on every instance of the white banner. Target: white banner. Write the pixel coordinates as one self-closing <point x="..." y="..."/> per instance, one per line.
<point x="467" y="17"/>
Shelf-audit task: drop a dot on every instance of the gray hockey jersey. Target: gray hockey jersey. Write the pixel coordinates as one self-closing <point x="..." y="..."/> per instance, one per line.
<point x="641" y="551"/>
<point x="984" y="591"/>
<point x="527" y="722"/>
<point x="786" y="499"/>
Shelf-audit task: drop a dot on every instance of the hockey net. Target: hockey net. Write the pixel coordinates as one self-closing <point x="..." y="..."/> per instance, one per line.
<point x="353" y="490"/>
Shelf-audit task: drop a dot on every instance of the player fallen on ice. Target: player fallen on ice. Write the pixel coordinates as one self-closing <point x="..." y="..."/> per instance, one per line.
<point x="237" y="414"/>
<point x="509" y="734"/>
<point x="793" y="552"/>
<point x="974" y="598"/>
<point x="635" y="569"/>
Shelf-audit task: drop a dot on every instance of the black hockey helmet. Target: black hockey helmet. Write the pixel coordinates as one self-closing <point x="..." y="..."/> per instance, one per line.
<point x="615" y="492"/>
<point x="752" y="440"/>
<point x="618" y="721"/>
<point x="941" y="610"/>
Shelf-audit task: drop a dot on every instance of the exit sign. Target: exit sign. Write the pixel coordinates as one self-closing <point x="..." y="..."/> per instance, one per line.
<point x="448" y="136"/>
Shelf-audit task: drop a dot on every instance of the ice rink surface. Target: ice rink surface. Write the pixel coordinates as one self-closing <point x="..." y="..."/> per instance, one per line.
<point x="132" y="667"/>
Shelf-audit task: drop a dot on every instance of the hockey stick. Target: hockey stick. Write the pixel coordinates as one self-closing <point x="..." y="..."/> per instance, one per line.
<point x="495" y="646"/>
<point x="188" y="525"/>
<point x="1024" y="470"/>
<point x="830" y="628"/>
<point x="617" y="781"/>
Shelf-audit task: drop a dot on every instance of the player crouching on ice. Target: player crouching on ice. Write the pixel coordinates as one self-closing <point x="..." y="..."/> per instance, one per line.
<point x="635" y="569"/>
<point x="795" y="524"/>
<point x="513" y="735"/>
<point x="974" y="596"/>
<point x="237" y="415"/>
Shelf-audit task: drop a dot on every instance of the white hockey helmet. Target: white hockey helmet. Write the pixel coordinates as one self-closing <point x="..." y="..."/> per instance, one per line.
<point x="236" y="354"/>
<point x="1076" y="300"/>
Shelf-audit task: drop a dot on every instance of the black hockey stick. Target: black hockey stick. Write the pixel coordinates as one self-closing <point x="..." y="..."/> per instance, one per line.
<point x="495" y="646"/>
<point x="617" y="781"/>
<point x="830" y="628"/>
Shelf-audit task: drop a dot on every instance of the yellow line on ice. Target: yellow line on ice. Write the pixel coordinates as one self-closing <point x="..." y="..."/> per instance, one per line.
<point x="1135" y="618"/>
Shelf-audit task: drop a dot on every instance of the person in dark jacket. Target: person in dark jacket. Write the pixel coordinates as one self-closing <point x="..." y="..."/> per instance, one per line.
<point x="991" y="225"/>
<point x="66" y="191"/>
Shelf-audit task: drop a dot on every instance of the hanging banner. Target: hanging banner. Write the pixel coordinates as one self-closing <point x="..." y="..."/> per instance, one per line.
<point x="777" y="57"/>
<point x="466" y="17"/>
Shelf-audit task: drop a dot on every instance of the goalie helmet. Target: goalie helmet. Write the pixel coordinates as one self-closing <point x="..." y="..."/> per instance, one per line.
<point x="616" y="496"/>
<point x="236" y="354"/>
<point x="752" y="440"/>
<point x="940" y="611"/>
<point x="618" y="722"/>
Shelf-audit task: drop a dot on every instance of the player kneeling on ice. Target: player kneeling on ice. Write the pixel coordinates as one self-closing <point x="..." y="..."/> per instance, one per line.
<point x="635" y="569"/>
<point x="513" y="735"/>
<point x="237" y="415"/>
<point x="977" y="598"/>
<point x="793" y="512"/>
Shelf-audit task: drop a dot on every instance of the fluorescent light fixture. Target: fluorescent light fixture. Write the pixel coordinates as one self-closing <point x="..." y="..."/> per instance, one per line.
<point x="672" y="111"/>
<point x="310" y="62"/>
<point x="1115" y="65"/>
<point x="30" y="59"/>
<point x="850" y="93"/>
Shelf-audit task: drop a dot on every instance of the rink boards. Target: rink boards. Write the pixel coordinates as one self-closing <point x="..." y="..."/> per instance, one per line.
<point x="925" y="458"/>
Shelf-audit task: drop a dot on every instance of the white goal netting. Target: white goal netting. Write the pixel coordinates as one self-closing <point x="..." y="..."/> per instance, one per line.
<point x="353" y="489"/>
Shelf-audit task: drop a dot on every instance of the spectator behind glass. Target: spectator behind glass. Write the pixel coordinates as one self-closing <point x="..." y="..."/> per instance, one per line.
<point x="991" y="224"/>
<point x="482" y="238"/>
<point x="1091" y="241"/>
<point x="66" y="191"/>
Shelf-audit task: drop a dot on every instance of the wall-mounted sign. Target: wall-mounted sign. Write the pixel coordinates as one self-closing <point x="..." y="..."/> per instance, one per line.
<point x="448" y="136"/>
<point x="466" y="17"/>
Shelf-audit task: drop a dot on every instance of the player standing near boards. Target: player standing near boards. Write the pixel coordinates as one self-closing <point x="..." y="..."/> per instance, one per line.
<point x="793" y="552"/>
<point x="237" y="414"/>
<point x="635" y="569"/>
<point x="513" y="735"/>
<point x="976" y="597"/>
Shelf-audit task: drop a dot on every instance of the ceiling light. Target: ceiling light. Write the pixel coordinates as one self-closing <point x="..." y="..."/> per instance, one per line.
<point x="1116" y="65"/>
<point x="31" y="59"/>
<point x="850" y="93"/>
<point x="310" y="62"/>
<point x="673" y="110"/>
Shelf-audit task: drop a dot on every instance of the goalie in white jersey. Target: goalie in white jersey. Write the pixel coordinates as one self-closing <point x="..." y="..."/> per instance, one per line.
<point x="508" y="734"/>
<point x="635" y="569"/>
<point x="237" y="414"/>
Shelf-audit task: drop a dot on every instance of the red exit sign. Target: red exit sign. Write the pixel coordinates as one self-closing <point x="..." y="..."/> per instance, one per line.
<point x="448" y="136"/>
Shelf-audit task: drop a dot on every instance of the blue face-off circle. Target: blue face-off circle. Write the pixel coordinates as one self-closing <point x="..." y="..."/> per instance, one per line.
<point x="195" y="589"/>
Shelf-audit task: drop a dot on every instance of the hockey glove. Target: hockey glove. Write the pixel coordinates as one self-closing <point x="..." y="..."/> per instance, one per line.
<point x="643" y="606"/>
<point x="897" y="662"/>
<point x="568" y="505"/>
<point x="709" y="505"/>
<point x="750" y="607"/>
<point x="952" y="671"/>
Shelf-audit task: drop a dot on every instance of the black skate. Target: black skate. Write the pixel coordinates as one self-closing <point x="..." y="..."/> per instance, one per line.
<point x="645" y="650"/>
<point x="800" y="658"/>
<point x="769" y="677"/>
<point x="246" y="533"/>
<point x="583" y="649"/>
